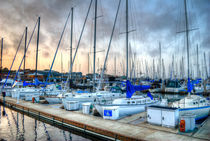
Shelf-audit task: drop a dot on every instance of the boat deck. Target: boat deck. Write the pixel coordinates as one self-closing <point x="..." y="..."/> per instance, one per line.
<point x="115" y="129"/>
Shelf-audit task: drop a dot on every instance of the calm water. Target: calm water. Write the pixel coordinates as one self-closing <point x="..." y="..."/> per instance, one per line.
<point x="16" y="126"/>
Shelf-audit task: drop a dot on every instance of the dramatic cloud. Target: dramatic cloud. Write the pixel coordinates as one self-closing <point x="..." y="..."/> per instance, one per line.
<point x="154" y="21"/>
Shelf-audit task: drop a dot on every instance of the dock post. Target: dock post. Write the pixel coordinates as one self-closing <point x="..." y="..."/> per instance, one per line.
<point x="3" y="112"/>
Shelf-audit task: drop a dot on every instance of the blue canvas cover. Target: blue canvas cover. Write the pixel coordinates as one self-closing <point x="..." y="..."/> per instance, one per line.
<point x="149" y="95"/>
<point x="27" y="84"/>
<point x="133" y="88"/>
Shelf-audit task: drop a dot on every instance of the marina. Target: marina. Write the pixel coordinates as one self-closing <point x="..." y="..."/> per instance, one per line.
<point x="105" y="70"/>
<point x="95" y="125"/>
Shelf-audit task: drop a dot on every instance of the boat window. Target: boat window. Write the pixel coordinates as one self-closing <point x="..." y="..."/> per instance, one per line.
<point x="133" y="101"/>
<point x="128" y="102"/>
<point x="194" y="103"/>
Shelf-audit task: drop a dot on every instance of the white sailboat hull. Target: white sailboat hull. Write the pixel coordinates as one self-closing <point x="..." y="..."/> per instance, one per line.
<point x="199" y="112"/>
<point x="124" y="110"/>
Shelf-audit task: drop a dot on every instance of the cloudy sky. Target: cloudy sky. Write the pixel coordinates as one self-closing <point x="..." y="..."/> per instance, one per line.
<point x="154" y="21"/>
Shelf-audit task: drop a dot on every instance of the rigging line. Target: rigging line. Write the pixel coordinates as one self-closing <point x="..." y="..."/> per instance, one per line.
<point x="102" y="72"/>
<point x="14" y="59"/>
<point x="100" y="5"/>
<point x="78" y="43"/>
<point x="25" y="51"/>
<point x="57" y="48"/>
<point x="121" y="19"/>
<point x="9" y="124"/>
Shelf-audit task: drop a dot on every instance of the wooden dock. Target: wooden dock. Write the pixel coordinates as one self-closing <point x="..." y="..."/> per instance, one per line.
<point x="96" y="126"/>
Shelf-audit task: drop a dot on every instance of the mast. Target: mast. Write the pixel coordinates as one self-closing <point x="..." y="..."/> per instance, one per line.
<point x="163" y="76"/>
<point x="197" y="62"/>
<point x="187" y="37"/>
<point x="24" y="65"/>
<point x="115" y="69"/>
<point x="209" y="63"/>
<point x="2" y="40"/>
<point x="88" y="63"/>
<point x="98" y="65"/>
<point x="153" y="68"/>
<point x="205" y="66"/>
<point x="72" y="14"/>
<point x="172" y="71"/>
<point x="183" y="69"/>
<point x="160" y="60"/>
<point x="127" y="39"/>
<point x="94" y="46"/>
<point x="37" y="47"/>
<point x="61" y="66"/>
<point x="109" y="45"/>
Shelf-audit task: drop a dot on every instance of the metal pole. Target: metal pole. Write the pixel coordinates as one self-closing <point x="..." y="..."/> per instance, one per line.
<point x="153" y="68"/>
<point x="94" y="46"/>
<point x="126" y="39"/>
<point x="188" y="59"/>
<point x="72" y="14"/>
<point x="79" y="39"/>
<point x="88" y="63"/>
<point x="24" y="65"/>
<point x="197" y="63"/>
<point x="37" y="47"/>
<point x="205" y="65"/>
<point x="2" y="40"/>
<point x="110" y="41"/>
<point x="115" y="68"/>
<point x="160" y="60"/>
<point x="61" y="66"/>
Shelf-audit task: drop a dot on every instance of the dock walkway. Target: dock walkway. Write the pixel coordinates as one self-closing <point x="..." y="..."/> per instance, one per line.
<point x="203" y="131"/>
<point x="113" y="129"/>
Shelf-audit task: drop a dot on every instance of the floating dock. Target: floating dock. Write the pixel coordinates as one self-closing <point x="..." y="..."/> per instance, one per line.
<point x="95" y="126"/>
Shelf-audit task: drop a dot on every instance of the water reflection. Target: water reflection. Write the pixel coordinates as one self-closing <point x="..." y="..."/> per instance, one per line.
<point x="23" y="129"/>
<point x="45" y="129"/>
<point x="64" y="135"/>
<point x="16" y="126"/>
<point x="35" y="128"/>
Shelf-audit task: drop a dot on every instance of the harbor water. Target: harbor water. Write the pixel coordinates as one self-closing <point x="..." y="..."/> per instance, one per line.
<point x="19" y="127"/>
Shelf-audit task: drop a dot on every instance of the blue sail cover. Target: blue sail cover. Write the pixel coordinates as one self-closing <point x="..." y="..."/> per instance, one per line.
<point x="27" y="84"/>
<point x="37" y="82"/>
<point x="133" y="88"/>
<point x="149" y="95"/>
<point x="191" y="85"/>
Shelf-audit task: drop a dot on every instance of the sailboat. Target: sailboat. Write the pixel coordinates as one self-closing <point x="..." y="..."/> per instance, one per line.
<point x="192" y="104"/>
<point x="130" y="105"/>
